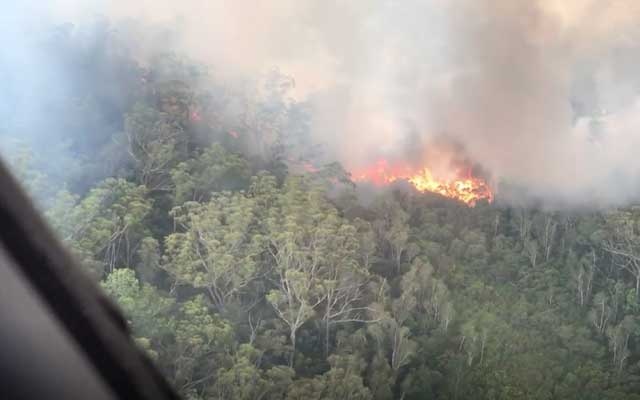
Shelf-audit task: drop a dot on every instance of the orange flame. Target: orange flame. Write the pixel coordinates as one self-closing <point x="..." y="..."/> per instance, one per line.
<point x="464" y="187"/>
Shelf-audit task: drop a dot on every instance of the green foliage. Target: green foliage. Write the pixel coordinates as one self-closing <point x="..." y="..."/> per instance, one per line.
<point x="218" y="246"/>
<point x="155" y="143"/>
<point x="203" y="341"/>
<point x="244" y="380"/>
<point x="149" y="313"/>
<point x="342" y="381"/>
<point x="244" y="281"/>
<point x="278" y="295"/>
<point x="106" y="226"/>
<point x="214" y="170"/>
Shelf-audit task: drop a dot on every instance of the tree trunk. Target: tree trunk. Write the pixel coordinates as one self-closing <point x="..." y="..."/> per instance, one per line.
<point x="484" y="340"/>
<point x="292" y="337"/>
<point x="326" y="338"/>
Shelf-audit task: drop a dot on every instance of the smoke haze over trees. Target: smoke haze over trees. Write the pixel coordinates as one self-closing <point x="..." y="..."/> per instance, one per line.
<point x="542" y="94"/>
<point x="194" y="156"/>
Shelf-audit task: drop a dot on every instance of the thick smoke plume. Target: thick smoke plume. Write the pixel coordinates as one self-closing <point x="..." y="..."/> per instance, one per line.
<point x="541" y="93"/>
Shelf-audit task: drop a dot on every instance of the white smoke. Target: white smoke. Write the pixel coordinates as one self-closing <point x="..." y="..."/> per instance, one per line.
<point x="542" y="93"/>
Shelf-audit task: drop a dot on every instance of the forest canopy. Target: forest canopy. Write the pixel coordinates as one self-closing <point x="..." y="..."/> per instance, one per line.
<point x="245" y="275"/>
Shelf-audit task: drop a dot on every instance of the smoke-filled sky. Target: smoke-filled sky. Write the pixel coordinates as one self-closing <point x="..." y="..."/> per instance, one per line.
<point x="541" y="93"/>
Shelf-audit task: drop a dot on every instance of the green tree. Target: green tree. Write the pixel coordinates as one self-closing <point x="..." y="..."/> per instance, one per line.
<point x="244" y="380"/>
<point x="148" y="312"/>
<point x="203" y="342"/>
<point x="214" y="170"/>
<point x="297" y="254"/>
<point x="381" y="378"/>
<point x="107" y="226"/>
<point x="217" y="247"/>
<point x="342" y="381"/>
<point x="392" y="229"/>
<point x="155" y="143"/>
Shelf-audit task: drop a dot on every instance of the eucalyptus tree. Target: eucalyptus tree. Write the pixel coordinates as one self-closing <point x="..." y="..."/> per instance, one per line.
<point x="216" y="247"/>
<point x="213" y="170"/>
<point x="156" y="143"/>
<point x="106" y="227"/>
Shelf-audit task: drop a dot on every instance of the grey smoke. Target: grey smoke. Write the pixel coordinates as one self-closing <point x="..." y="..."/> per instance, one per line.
<point x="541" y="93"/>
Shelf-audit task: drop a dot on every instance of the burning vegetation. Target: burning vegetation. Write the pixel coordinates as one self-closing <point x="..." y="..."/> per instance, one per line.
<point x="461" y="185"/>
